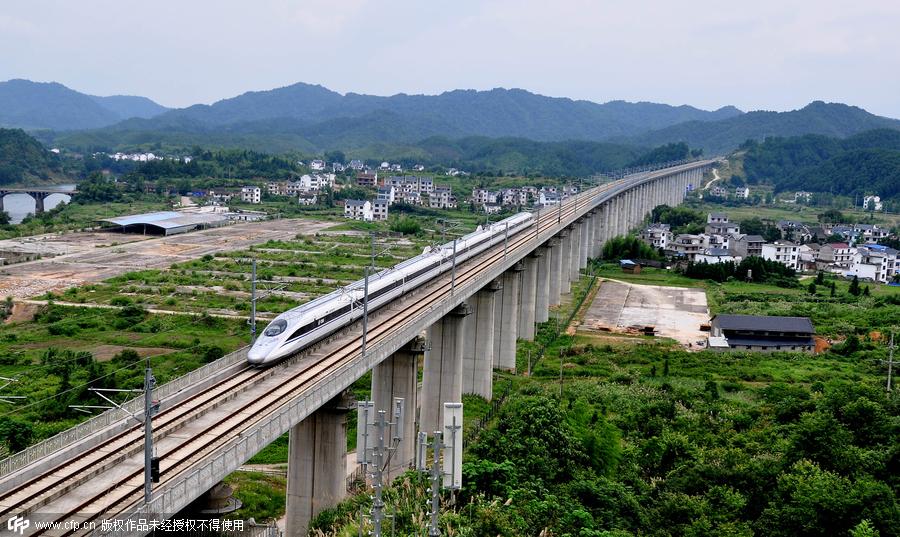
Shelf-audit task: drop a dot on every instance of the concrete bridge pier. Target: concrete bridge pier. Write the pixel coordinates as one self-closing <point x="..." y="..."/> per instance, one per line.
<point x="555" y="270"/>
<point x="616" y="217"/>
<point x="478" y="352"/>
<point x="397" y="376"/>
<point x="632" y="209"/>
<point x="317" y="464"/>
<point x="565" y="265"/>
<point x="442" y="377"/>
<point x="542" y="285"/>
<point x="528" y="296"/>
<point x="583" y="251"/>
<point x="506" y="320"/>
<point x="575" y="256"/>
<point x="39" y="198"/>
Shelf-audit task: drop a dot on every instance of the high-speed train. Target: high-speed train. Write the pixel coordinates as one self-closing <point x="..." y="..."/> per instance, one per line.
<point x="302" y="326"/>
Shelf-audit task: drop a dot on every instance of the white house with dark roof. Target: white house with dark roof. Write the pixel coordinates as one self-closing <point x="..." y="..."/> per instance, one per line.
<point x="380" y="210"/>
<point x="785" y="252"/>
<point x="358" y="210"/>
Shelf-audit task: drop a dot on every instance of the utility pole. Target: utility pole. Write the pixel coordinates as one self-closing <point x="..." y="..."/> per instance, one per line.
<point x="890" y="363"/>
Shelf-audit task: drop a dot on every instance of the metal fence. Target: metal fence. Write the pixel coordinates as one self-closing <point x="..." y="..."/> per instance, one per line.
<point x="110" y="417"/>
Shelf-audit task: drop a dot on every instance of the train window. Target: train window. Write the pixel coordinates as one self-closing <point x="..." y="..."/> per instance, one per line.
<point x="275" y="327"/>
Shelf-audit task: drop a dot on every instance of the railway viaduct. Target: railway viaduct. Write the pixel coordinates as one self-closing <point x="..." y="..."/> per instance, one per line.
<point x="461" y="327"/>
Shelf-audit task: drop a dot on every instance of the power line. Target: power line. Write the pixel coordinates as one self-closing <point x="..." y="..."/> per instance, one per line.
<point x="79" y="386"/>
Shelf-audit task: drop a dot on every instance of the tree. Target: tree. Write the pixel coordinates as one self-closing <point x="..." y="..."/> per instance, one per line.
<point x="854" y="286"/>
<point x="820" y="277"/>
<point x="98" y="188"/>
<point x="811" y="288"/>
<point x="4" y="218"/>
<point x="335" y="156"/>
<point x="16" y="434"/>
<point x="864" y="529"/>
<point x="865" y="291"/>
<point x="831" y="216"/>
<point x="628" y="247"/>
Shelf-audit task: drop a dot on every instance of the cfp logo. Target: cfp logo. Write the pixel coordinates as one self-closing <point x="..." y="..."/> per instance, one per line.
<point x="18" y="524"/>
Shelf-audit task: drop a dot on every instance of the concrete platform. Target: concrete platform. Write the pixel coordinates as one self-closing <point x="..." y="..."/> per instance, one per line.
<point x="675" y="312"/>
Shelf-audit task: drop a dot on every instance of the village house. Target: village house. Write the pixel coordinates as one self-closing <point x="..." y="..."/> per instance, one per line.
<point x="657" y="235"/>
<point x="251" y="194"/>
<point x="785" y="252"/>
<point x="380" y="209"/>
<point x="358" y="210"/>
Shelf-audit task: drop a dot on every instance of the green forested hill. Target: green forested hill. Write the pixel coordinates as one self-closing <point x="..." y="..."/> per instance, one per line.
<point x="867" y="163"/>
<point x="22" y="158"/>
<point x="38" y="105"/>
<point x="308" y="117"/>
<point x="828" y="119"/>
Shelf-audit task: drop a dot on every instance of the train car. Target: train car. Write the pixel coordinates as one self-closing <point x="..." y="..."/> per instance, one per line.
<point x="304" y="325"/>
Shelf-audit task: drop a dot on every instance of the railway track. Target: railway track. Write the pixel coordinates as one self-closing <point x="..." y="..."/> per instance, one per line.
<point x="272" y="388"/>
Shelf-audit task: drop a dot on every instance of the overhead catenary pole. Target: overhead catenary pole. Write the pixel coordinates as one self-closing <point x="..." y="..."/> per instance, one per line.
<point x="453" y="271"/>
<point x="365" y="311"/>
<point x="505" y="240"/>
<point x="149" y="382"/>
<point x="253" y="302"/>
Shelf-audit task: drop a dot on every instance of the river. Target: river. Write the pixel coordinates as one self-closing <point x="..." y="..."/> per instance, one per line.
<point x="20" y="205"/>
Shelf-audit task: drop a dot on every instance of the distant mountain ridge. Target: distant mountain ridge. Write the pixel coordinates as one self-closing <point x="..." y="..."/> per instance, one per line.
<point x="828" y="119"/>
<point x="312" y="119"/>
<point x="50" y="105"/>
<point x="458" y="113"/>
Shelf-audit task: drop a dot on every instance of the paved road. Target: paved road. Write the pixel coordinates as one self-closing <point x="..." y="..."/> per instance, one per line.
<point x="91" y="256"/>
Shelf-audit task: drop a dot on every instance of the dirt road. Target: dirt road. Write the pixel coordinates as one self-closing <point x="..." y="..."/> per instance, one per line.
<point x="93" y="256"/>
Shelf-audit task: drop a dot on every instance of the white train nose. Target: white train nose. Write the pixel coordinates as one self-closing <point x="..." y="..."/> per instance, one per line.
<point x="257" y="354"/>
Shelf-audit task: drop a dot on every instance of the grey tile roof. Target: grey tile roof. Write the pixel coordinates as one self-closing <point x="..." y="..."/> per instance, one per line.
<point x="761" y="323"/>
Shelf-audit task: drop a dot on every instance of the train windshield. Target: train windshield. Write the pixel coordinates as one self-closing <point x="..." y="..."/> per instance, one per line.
<point x="275" y="327"/>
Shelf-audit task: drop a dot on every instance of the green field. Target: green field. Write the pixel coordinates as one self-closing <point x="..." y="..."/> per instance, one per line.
<point x="65" y="350"/>
<point x="799" y="213"/>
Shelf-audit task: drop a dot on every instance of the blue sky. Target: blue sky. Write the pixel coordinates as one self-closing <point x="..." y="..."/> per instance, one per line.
<point x="773" y="55"/>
